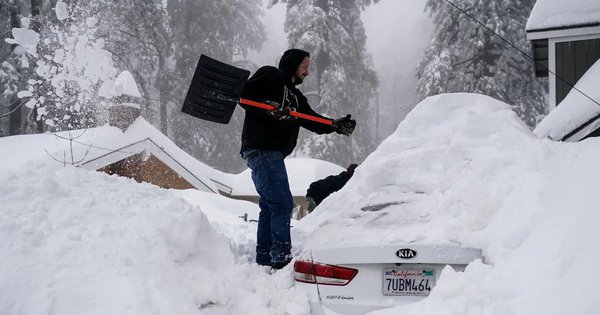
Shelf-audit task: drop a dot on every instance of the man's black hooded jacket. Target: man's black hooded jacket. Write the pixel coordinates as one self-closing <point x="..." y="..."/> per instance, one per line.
<point x="262" y="131"/>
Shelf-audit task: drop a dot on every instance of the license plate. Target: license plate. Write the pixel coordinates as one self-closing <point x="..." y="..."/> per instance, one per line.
<point x="408" y="281"/>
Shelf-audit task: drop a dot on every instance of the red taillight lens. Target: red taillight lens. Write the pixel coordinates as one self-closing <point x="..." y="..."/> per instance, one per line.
<point x="306" y="271"/>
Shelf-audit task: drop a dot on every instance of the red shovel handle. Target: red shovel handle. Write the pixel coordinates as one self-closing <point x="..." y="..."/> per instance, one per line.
<point x="256" y="104"/>
<point x="292" y="113"/>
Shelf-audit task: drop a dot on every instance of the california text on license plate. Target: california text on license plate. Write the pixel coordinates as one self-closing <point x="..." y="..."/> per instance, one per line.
<point x="408" y="281"/>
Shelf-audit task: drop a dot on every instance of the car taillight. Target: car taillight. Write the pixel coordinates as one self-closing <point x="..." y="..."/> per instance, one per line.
<point x="306" y="271"/>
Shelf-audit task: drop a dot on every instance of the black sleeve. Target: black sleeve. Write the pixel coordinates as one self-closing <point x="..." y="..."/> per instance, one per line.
<point x="313" y="126"/>
<point x="265" y="85"/>
<point x="320" y="189"/>
<point x="340" y="181"/>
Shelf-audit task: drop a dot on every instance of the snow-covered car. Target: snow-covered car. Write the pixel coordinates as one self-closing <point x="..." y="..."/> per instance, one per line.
<point x="414" y="213"/>
<point x="356" y="280"/>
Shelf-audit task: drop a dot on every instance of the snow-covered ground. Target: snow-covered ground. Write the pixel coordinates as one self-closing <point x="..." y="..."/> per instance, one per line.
<point x="461" y="167"/>
<point x="82" y="242"/>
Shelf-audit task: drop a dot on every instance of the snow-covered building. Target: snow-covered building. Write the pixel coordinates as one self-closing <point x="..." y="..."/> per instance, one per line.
<point x="140" y="151"/>
<point x="143" y="153"/>
<point x="566" y="40"/>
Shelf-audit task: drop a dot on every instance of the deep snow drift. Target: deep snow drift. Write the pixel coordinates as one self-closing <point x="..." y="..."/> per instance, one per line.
<point x="80" y="242"/>
<point x="460" y="168"/>
<point x="463" y="168"/>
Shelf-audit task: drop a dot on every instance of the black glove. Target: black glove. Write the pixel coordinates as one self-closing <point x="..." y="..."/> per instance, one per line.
<point x="280" y="112"/>
<point x="345" y="125"/>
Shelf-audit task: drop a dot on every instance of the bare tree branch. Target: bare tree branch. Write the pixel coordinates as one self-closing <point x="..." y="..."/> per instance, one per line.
<point x="5" y="56"/>
<point x="14" y="109"/>
<point x="71" y="139"/>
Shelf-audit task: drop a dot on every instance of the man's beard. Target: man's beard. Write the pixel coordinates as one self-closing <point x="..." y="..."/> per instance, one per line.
<point x="298" y="80"/>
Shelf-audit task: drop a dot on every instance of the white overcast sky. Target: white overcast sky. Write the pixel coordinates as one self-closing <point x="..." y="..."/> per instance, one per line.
<point x="397" y="32"/>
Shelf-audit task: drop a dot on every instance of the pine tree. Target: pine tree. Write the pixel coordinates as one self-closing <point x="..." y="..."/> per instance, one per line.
<point x="138" y="35"/>
<point x="70" y="67"/>
<point x="10" y="70"/>
<point x="465" y="57"/>
<point x="15" y="64"/>
<point x="343" y="74"/>
<point x="224" y="30"/>
<point x="46" y="76"/>
<point x="36" y="25"/>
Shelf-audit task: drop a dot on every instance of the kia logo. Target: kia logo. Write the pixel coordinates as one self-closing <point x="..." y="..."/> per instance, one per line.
<point x="406" y="253"/>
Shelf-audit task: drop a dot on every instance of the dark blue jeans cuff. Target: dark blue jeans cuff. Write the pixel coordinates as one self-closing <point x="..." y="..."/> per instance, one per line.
<point x="281" y="253"/>
<point x="263" y="256"/>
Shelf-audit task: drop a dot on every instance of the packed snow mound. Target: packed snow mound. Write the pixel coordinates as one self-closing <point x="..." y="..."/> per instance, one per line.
<point x="464" y="169"/>
<point x="575" y="110"/>
<point x="81" y="246"/>
<point x="83" y="242"/>
<point x="442" y="174"/>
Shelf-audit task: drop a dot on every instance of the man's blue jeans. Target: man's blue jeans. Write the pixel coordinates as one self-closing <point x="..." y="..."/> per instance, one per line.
<point x="273" y="242"/>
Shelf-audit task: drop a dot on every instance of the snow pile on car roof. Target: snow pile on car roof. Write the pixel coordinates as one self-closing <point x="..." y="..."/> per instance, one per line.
<point x="464" y="169"/>
<point x="448" y="169"/>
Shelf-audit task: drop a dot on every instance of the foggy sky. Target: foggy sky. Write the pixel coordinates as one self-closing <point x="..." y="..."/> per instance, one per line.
<point x="397" y="33"/>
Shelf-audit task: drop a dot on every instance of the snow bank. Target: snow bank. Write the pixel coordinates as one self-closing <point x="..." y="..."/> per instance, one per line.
<point x="541" y="247"/>
<point x="462" y="168"/>
<point x="79" y="242"/>
<point x="88" y="243"/>
<point x="444" y="172"/>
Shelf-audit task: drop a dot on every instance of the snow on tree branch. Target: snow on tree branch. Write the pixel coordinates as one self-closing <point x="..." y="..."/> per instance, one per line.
<point x="71" y="65"/>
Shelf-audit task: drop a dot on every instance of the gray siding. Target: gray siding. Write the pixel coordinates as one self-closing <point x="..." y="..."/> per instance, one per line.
<point x="573" y="59"/>
<point x="540" y="55"/>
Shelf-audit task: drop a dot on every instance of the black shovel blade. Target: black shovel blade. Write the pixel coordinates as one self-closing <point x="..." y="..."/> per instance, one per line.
<point x="215" y="90"/>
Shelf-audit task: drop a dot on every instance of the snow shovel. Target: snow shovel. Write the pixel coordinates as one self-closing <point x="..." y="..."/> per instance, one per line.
<point x="215" y="92"/>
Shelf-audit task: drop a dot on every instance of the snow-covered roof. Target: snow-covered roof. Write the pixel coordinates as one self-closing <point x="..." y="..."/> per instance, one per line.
<point x="561" y="14"/>
<point x="95" y="148"/>
<point x="124" y="84"/>
<point x="108" y="145"/>
<point x="140" y="137"/>
<point x="575" y="110"/>
<point x="301" y="171"/>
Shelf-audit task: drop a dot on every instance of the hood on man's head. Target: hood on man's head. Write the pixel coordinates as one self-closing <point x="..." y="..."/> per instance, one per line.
<point x="290" y="61"/>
